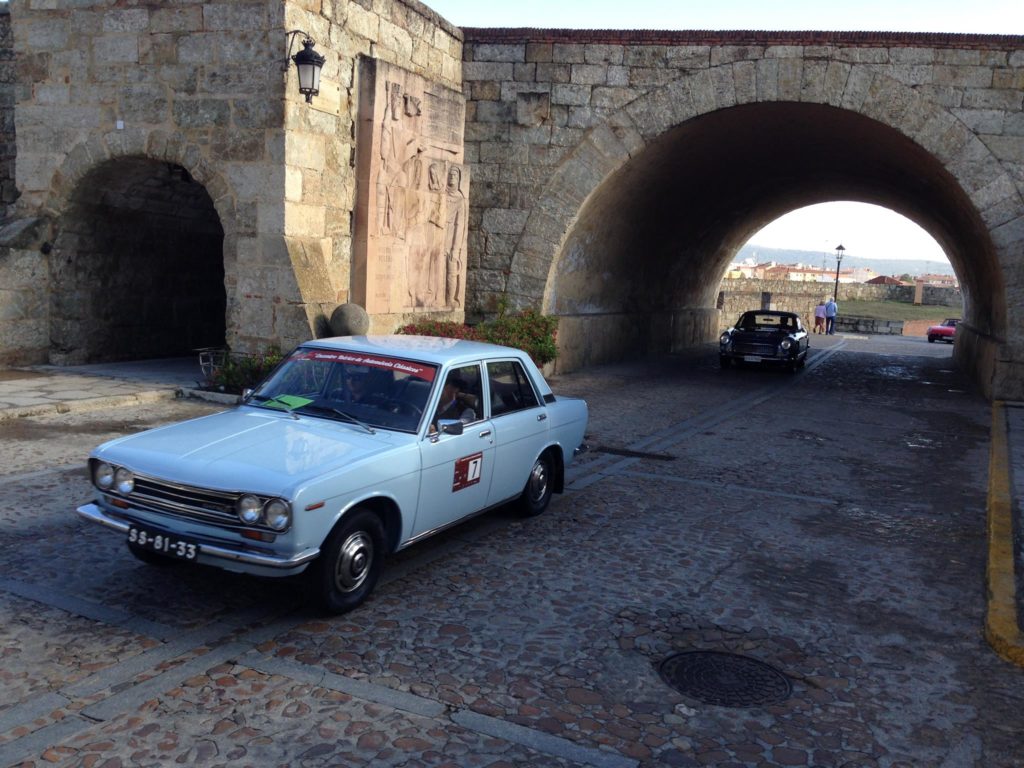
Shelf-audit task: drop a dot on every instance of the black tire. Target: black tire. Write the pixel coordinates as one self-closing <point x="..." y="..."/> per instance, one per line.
<point x="350" y="563"/>
<point x="537" y="494"/>
<point x="724" y="361"/>
<point x="931" y="339"/>
<point x="149" y="557"/>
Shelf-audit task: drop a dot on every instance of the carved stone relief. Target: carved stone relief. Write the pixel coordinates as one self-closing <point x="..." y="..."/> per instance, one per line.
<point x="413" y="194"/>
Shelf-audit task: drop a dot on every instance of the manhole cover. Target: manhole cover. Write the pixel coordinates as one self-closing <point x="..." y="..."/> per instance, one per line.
<point x="725" y="679"/>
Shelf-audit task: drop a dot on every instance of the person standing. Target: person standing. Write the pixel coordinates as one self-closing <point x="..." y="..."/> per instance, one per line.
<point x="831" y="310"/>
<point x="819" y="317"/>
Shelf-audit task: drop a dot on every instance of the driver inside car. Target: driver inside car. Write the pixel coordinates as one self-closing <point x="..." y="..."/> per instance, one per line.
<point x="456" y="402"/>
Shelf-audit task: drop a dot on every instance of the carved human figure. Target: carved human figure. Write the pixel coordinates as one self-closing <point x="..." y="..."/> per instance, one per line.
<point x="454" y="237"/>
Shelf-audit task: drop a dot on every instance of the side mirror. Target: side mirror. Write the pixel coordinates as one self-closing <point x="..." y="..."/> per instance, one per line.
<point x="450" y="426"/>
<point x="246" y="394"/>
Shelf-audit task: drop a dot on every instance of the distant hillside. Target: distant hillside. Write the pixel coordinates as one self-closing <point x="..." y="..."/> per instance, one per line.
<point x="814" y="259"/>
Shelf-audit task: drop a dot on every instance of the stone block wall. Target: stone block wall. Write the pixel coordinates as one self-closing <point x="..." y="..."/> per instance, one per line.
<point x="8" y="148"/>
<point x="320" y="139"/>
<point x="200" y="85"/>
<point x="738" y="296"/>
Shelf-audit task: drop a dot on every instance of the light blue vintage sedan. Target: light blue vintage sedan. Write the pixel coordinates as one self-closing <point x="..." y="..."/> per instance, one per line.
<point x="354" y="447"/>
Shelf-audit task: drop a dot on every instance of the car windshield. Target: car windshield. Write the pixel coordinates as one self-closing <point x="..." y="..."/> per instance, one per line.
<point x="755" y="321"/>
<point x="361" y="389"/>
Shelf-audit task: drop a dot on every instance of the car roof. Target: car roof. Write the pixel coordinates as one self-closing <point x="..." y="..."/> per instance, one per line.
<point x="427" y="349"/>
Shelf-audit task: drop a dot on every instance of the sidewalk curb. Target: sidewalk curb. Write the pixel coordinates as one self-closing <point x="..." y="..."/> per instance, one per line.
<point x="88" y="404"/>
<point x="1001" y="628"/>
<point x="210" y="397"/>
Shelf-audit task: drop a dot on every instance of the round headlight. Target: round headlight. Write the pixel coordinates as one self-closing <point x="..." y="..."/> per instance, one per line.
<point x="724" y="338"/>
<point x="277" y="514"/>
<point x="786" y="344"/>
<point x="250" y="510"/>
<point x="124" y="480"/>
<point x="103" y="475"/>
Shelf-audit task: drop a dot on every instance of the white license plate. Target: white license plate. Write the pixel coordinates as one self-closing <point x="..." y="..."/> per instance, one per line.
<point x="751" y="359"/>
<point x="163" y="543"/>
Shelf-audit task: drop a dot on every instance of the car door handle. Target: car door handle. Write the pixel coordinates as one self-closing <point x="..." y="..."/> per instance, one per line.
<point x="485" y="433"/>
<point x="542" y="417"/>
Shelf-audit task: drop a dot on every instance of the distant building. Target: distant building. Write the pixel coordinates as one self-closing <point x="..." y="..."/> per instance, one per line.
<point x="944" y="281"/>
<point x="799" y="273"/>
<point x="861" y="275"/>
<point x="884" y="280"/>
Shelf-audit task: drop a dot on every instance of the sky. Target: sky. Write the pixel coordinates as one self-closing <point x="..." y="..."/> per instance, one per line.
<point x="864" y="230"/>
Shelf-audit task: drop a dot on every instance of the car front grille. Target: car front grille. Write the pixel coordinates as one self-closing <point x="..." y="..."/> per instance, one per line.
<point x="753" y="348"/>
<point x="209" y="506"/>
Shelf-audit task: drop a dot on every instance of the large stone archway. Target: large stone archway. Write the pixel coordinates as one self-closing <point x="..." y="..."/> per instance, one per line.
<point x="629" y="237"/>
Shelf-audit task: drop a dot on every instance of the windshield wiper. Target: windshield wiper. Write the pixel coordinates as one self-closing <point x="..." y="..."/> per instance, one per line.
<point x="338" y="412"/>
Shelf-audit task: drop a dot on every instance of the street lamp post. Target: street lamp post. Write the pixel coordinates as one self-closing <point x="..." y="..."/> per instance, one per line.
<point x="839" y="259"/>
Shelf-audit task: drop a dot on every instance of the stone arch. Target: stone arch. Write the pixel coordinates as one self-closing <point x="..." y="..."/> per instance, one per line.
<point x="142" y="251"/>
<point x="980" y="206"/>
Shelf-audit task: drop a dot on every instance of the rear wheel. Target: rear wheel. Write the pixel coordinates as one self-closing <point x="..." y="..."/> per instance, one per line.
<point x="350" y="562"/>
<point x="537" y="494"/>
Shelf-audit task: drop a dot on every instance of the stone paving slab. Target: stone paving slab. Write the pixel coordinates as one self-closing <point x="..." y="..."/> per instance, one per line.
<point x="66" y="389"/>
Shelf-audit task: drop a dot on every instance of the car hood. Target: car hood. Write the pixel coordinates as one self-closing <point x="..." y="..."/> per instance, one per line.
<point x="248" y="448"/>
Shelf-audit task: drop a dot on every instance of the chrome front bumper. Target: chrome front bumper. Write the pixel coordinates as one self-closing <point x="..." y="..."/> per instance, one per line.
<point x="95" y="514"/>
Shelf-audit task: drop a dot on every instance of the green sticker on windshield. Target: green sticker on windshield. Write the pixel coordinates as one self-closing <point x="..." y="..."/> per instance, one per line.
<point x="288" y="402"/>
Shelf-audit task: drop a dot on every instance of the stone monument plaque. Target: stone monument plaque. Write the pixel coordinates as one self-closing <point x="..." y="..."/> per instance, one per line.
<point x="412" y="195"/>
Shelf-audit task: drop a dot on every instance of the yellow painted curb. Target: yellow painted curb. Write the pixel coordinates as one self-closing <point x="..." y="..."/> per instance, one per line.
<point x="1001" y="628"/>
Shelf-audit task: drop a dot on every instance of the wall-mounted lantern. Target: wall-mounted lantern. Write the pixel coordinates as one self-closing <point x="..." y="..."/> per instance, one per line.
<point x="308" y="62"/>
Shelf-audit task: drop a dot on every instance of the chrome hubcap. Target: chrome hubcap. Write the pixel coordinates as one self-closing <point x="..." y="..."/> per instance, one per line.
<point x="354" y="561"/>
<point x="538" y="481"/>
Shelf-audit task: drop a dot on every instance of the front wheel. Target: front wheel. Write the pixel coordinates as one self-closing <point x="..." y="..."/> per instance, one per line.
<point x="931" y="339"/>
<point x="350" y="562"/>
<point x="537" y="494"/>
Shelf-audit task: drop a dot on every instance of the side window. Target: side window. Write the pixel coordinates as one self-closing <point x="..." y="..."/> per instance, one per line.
<point x="510" y="388"/>
<point x="460" y="396"/>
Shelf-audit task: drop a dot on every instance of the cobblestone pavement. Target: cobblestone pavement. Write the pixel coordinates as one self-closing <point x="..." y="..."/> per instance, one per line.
<point x="828" y="523"/>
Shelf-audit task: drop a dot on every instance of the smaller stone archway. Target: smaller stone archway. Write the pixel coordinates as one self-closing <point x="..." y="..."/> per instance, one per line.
<point x="137" y="266"/>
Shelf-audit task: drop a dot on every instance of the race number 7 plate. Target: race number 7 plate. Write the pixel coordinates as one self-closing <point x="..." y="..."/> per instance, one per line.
<point x="163" y="543"/>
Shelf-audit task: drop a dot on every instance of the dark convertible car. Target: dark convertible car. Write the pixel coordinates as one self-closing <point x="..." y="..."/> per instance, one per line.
<point x="765" y="336"/>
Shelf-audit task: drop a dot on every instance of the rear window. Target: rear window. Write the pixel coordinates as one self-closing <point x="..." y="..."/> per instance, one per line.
<point x="753" y="320"/>
<point x="510" y="387"/>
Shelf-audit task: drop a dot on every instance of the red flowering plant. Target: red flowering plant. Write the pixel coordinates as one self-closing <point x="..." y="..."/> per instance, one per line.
<point x="528" y="330"/>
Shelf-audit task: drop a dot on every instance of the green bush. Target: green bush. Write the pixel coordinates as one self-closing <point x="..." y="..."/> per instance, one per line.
<point x="244" y="371"/>
<point x="528" y="330"/>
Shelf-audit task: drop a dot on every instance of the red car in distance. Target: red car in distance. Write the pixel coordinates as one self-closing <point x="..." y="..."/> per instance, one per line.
<point x="944" y="332"/>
